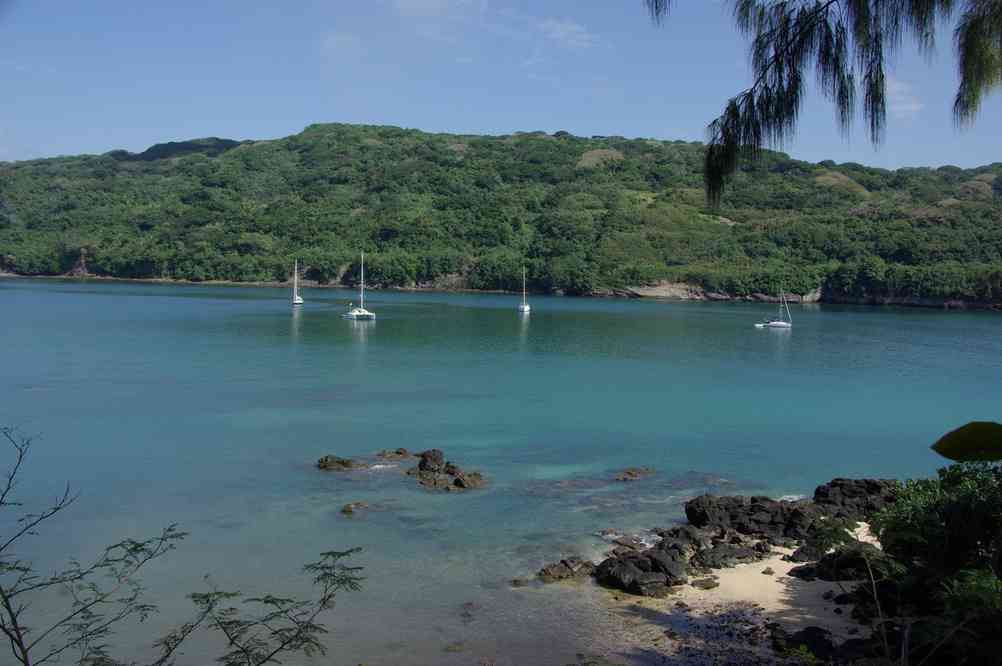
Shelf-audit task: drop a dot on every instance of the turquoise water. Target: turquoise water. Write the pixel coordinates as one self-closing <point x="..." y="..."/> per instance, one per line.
<point x="207" y="406"/>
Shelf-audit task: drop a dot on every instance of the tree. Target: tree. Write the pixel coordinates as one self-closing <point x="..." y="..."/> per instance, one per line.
<point x="847" y="44"/>
<point x="107" y="593"/>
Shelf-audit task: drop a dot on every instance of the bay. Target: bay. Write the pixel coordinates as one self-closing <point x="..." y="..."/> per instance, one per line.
<point x="208" y="406"/>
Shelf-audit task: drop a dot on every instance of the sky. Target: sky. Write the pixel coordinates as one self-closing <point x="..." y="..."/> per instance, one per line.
<point x="89" y="77"/>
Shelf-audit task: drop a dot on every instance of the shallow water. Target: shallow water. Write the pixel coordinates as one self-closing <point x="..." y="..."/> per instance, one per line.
<point x="207" y="406"/>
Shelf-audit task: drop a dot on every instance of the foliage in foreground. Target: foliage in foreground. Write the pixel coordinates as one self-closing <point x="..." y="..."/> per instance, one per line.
<point x="935" y="593"/>
<point x="583" y="214"/>
<point x="106" y="594"/>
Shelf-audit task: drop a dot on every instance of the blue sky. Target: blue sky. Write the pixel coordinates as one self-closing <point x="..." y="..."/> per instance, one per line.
<point x="88" y="77"/>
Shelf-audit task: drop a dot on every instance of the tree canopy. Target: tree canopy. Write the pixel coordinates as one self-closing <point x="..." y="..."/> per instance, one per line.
<point x="846" y="44"/>
<point x="583" y="214"/>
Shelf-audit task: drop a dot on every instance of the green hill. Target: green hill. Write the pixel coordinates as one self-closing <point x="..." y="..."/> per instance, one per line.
<point x="586" y="215"/>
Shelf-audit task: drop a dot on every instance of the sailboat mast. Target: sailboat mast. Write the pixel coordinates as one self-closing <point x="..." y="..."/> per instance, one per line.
<point x="523" y="285"/>
<point x="361" y="290"/>
<point x="295" y="280"/>
<point x="789" y="317"/>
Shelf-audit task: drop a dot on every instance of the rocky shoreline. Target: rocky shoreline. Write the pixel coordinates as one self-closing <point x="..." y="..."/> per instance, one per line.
<point x="738" y="560"/>
<point x="665" y="291"/>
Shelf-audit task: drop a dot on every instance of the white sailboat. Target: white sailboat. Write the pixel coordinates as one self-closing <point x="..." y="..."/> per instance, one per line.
<point x="359" y="311"/>
<point x="296" y="298"/>
<point x="524" y="305"/>
<point x="784" y="320"/>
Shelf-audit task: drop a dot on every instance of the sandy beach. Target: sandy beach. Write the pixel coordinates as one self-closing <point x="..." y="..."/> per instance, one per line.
<point x="726" y="624"/>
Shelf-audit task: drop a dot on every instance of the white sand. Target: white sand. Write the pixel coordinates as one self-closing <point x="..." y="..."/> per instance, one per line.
<point x="726" y="624"/>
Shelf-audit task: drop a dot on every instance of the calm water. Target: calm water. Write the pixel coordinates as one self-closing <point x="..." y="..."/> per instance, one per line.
<point x="207" y="406"/>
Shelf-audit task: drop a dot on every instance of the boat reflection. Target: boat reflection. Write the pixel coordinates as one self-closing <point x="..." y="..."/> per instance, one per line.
<point x="360" y="329"/>
<point x="297" y="315"/>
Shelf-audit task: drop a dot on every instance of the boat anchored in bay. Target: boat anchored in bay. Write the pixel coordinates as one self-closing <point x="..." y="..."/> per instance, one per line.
<point x="358" y="312"/>
<point x="296" y="298"/>
<point x="524" y="305"/>
<point x="784" y="320"/>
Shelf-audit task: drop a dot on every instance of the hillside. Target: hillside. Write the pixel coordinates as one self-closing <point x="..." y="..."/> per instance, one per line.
<point x="586" y="215"/>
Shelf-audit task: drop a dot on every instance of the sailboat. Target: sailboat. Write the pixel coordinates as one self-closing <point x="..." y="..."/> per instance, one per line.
<point x="296" y="298"/>
<point x="359" y="311"/>
<point x="524" y="305"/>
<point x="784" y="320"/>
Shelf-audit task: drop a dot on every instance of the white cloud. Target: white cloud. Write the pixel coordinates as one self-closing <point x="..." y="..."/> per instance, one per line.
<point x="568" y="33"/>
<point x="902" y="101"/>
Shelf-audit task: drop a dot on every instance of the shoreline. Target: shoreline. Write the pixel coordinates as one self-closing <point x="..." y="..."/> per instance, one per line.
<point x="736" y="583"/>
<point x="676" y="293"/>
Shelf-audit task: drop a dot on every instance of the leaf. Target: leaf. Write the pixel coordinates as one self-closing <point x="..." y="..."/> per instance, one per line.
<point x="978" y="440"/>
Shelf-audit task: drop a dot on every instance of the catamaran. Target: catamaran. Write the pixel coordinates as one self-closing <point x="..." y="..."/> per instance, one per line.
<point x="524" y="305"/>
<point x="359" y="311"/>
<point x="296" y="298"/>
<point x="784" y="320"/>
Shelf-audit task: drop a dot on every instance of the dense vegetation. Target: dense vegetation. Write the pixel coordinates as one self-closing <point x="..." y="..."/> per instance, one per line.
<point x="584" y="214"/>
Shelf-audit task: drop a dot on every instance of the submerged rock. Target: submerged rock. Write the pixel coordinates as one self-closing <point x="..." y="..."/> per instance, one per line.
<point x="567" y="568"/>
<point x="395" y="454"/>
<point x="352" y="507"/>
<point x="337" y="463"/>
<point x="634" y="473"/>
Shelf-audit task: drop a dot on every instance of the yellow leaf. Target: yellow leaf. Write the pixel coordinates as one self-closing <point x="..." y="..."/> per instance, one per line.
<point x="978" y="440"/>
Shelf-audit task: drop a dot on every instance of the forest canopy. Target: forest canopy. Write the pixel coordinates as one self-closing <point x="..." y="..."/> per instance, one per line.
<point x="584" y="215"/>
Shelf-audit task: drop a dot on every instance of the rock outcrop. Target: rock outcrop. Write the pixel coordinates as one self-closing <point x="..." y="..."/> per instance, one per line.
<point x="775" y="520"/>
<point x="855" y="499"/>
<point x="339" y="464"/>
<point x="567" y="568"/>
<point x="435" y="473"/>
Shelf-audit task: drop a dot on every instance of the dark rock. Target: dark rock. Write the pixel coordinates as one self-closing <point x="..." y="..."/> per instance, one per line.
<point x="849" y="562"/>
<point x="351" y="508"/>
<point x="435" y="473"/>
<point x="336" y="463"/>
<point x="632" y="542"/>
<point x="844" y="599"/>
<point x="768" y="571"/>
<point x="806" y="572"/>
<point x="684" y="538"/>
<point x="519" y="582"/>
<point x="634" y="473"/>
<point x="753" y="516"/>
<point x="468" y="480"/>
<point x="855" y="499"/>
<point x="805" y="553"/>
<point x="570" y="567"/>
<point x="705" y="583"/>
<point x="724" y="555"/>
<point x="395" y="454"/>
<point x="829" y="595"/>
<point x="649" y="584"/>
<point x="618" y="573"/>
<point x="816" y="640"/>
<point x="673" y="564"/>
<point x="432" y="460"/>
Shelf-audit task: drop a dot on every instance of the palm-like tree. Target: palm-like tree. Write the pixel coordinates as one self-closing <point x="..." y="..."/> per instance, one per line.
<point x="846" y="44"/>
